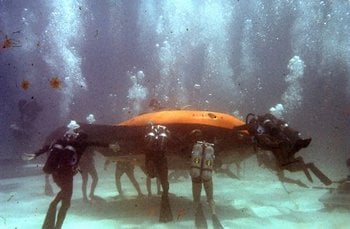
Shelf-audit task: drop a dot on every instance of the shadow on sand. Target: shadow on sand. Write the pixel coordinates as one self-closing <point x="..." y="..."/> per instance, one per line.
<point x="137" y="210"/>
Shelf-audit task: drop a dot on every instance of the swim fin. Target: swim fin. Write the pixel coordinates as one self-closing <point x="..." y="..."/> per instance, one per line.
<point x="165" y="210"/>
<point x="216" y="222"/>
<point x="200" y="221"/>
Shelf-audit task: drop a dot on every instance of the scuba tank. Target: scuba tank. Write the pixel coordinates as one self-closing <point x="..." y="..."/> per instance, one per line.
<point x="202" y="160"/>
<point x="70" y="157"/>
<point x="52" y="162"/>
<point x="157" y="138"/>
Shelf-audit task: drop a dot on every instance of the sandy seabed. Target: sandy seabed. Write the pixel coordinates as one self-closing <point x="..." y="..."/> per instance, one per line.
<point x="256" y="200"/>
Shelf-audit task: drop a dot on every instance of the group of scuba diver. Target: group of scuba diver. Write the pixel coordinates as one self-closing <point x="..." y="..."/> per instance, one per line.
<point x="65" y="156"/>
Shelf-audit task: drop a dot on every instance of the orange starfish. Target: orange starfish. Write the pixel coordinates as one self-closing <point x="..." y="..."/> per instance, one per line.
<point x="55" y="82"/>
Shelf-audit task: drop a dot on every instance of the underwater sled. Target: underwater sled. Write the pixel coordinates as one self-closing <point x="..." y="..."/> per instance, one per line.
<point x="215" y="127"/>
<point x="231" y="146"/>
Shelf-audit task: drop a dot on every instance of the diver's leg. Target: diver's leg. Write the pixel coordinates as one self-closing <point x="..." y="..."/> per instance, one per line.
<point x="84" y="176"/>
<point x="50" y="217"/>
<point x="148" y="181"/>
<point x="196" y="191"/>
<point x="200" y="220"/>
<point x="208" y="187"/>
<point x="158" y="186"/>
<point x="67" y="191"/>
<point x="130" y="174"/>
<point x="94" y="177"/>
<point x="118" y="174"/>
<point x="48" y="187"/>
<point x="162" y="170"/>
<point x="148" y="185"/>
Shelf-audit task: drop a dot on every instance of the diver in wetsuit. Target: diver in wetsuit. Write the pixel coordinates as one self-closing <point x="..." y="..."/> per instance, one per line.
<point x="156" y="164"/>
<point x="271" y="133"/>
<point x="62" y="163"/>
<point x="201" y="172"/>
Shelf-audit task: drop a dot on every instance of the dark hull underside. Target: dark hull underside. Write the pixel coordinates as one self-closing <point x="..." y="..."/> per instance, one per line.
<point x="230" y="146"/>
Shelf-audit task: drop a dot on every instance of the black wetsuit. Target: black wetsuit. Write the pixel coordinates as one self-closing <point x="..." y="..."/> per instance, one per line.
<point x="157" y="166"/>
<point x="68" y="156"/>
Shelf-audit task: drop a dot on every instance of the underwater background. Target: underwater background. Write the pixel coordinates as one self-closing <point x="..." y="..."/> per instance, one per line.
<point x="68" y="59"/>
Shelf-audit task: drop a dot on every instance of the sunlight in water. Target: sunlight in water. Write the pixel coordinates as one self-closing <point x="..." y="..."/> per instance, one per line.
<point x="63" y="34"/>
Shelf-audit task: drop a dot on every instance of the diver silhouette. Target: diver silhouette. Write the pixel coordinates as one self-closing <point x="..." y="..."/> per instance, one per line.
<point x="156" y="164"/>
<point x="87" y="167"/>
<point x="202" y="163"/>
<point x="62" y="163"/>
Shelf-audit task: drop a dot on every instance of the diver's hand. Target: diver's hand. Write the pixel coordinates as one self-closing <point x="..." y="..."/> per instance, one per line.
<point x="115" y="147"/>
<point x="28" y="156"/>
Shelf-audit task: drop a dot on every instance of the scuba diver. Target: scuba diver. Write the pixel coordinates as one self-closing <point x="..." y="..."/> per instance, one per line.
<point x="275" y="132"/>
<point x="201" y="172"/>
<point x="156" y="164"/>
<point x="270" y="133"/>
<point x="127" y="168"/>
<point x="87" y="166"/>
<point x="62" y="163"/>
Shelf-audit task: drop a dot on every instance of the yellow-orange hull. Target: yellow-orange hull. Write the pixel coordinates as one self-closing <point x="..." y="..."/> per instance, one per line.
<point x="189" y="117"/>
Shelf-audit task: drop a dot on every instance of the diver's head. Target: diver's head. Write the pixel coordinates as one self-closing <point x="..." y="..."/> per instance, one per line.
<point x="73" y="125"/>
<point x="71" y="135"/>
<point x="74" y="132"/>
<point x="196" y="135"/>
<point x="149" y="126"/>
<point x="75" y="135"/>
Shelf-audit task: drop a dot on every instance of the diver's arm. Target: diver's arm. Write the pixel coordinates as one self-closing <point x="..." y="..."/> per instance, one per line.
<point x="114" y="146"/>
<point x="31" y="156"/>
<point x="242" y="127"/>
<point x="97" y="144"/>
<point x="43" y="150"/>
